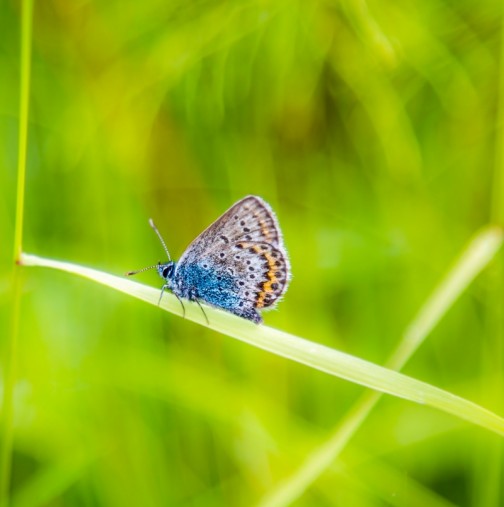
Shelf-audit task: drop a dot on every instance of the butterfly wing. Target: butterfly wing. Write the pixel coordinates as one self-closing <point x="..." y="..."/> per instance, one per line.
<point x="245" y="246"/>
<point x="263" y="272"/>
<point x="250" y="219"/>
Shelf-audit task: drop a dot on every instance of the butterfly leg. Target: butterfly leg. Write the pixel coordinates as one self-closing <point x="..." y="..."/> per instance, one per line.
<point x="193" y="296"/>
<point x="183" y="307"/>
<point x="199" y="304"/>
<point x="163" y="288"/>
<point x="180" y="300"/>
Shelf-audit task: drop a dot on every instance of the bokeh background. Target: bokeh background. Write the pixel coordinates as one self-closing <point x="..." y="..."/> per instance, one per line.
<point x="373" y="130"/>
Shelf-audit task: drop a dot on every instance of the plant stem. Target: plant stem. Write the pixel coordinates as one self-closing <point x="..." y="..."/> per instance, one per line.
<point x="298" y="349"/>
<point x="475" y="257"/>
<point x="6" y="427"/>
<point x="10" y="353"/>
<point x="26" y="31"/>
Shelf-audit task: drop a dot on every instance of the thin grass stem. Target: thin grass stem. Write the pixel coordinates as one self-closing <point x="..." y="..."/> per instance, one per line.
<point x="9" y="380"/>
<point x="480" y="251"/>
<point x="26" y="35"/>
<point x="298" y="349"/>
<point x="7" y="416"/>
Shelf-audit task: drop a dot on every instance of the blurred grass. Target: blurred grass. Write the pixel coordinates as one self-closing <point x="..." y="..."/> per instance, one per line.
<point x="372" y="128"/>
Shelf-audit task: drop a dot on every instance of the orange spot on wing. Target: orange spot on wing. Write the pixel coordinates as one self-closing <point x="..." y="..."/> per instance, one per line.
<point x="267" y="286"/>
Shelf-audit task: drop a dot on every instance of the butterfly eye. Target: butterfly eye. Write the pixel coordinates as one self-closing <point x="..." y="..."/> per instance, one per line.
<point x="167" y="271"/>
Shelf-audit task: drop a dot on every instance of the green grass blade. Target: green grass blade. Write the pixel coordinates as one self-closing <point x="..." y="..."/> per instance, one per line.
<point x="9" y="375"/>
<point x="26" y="31"/>
<point x="9" y="379"/>
<point x="480" y="251"/>
<point x="292" y="347"/>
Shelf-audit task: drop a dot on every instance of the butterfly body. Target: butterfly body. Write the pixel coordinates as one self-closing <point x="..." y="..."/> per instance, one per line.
<point x="238" y="263"/>
<point x="193" y="282"/>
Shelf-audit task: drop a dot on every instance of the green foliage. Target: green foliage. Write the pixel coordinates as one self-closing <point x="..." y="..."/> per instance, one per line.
<point x="373" y="129"/>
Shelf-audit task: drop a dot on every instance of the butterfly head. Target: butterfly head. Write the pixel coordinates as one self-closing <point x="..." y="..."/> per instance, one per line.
<point x="166" y="270"/>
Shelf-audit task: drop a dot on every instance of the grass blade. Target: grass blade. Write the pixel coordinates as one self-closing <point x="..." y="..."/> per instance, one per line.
<point x="480" y="251"/>
<point x="9" y="375"/>
<point x="292" y="347"/>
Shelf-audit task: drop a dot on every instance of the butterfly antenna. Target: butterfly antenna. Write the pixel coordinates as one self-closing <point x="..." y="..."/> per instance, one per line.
<point x="153" y="225"/>
<point x="129" y="273"/>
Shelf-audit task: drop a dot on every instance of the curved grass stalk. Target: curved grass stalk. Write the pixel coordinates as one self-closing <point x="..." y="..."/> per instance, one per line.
<point x="10" y="351"/>
<point x="473" y="259"/>
<point x="301" y="350"/>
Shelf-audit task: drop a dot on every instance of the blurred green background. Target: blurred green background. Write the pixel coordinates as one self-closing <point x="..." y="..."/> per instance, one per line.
<point x="373" y="131"/>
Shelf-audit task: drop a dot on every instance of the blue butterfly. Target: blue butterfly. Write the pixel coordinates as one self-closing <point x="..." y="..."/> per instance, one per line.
<point x="239" y="263"/>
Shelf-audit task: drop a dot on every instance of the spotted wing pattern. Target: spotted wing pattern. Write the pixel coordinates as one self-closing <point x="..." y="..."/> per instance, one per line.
<point x="266" y="272"/>
<point x="250" y="219"/>
<point x="245" y="243"/>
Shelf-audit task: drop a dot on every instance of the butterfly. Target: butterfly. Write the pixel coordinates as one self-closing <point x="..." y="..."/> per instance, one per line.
<point x="239" y="263"/>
